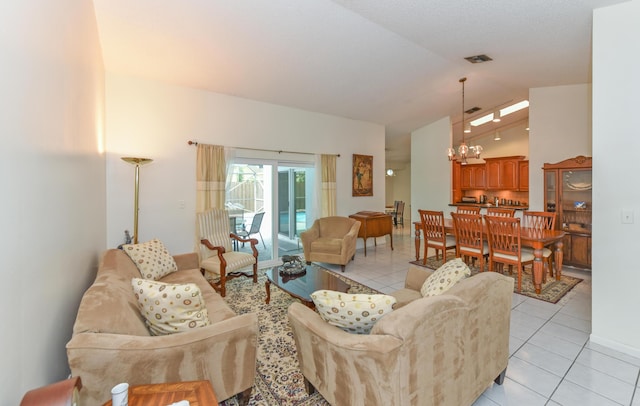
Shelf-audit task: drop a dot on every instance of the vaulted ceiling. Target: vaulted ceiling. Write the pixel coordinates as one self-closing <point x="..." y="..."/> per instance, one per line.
<point x="396" y="63"/>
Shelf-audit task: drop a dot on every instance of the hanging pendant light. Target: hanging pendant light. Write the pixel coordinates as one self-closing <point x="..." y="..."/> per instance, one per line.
<point x="463" y="149"/>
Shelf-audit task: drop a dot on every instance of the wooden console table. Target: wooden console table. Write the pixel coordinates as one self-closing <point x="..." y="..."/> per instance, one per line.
<point x="373" y="224"/>
<point x="198" y="393"/>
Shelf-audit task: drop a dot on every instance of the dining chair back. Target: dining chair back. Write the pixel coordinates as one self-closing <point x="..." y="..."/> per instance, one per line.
<point x="505" y="245"/>
<point x="434" y="234"/>
<point x="398" y="213"/>
<point x="542" y="220"/>
<point x="469" y="240"/>
<point x="500" y="211"/>
<point x="468" y="210"/>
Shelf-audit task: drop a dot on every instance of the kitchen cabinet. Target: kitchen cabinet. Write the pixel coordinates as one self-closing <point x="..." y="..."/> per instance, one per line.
<point x="523" y="176"/>
<point x="567" y="191"/>
<point x="472" y="176"/>
<point x="503" y="173"/>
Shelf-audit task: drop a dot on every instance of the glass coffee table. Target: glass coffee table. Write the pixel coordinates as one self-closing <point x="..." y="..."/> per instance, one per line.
<point x="302" y="285"/>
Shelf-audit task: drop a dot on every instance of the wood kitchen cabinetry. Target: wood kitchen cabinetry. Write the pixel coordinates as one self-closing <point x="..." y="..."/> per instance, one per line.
<point x="523" y="176"/>
<point x="503" y="173"/>
<point x="472" y="176"/>
<point x="567" y="191"/>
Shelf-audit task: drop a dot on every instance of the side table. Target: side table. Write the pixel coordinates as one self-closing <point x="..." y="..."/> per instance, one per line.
<point x="198" y="393"/>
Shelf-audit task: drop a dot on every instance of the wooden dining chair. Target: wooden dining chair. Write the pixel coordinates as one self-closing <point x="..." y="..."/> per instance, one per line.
<point x="468" y="210"/>
<point x="500" y="211"/>
<point x="505" y="246"/>
<point x="434" y="234"/>
<point x="469" y="240"/>
<point x="542" y="220"/>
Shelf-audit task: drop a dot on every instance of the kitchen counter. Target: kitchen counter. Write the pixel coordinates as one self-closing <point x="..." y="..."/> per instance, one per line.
<point x="485" y="205"/>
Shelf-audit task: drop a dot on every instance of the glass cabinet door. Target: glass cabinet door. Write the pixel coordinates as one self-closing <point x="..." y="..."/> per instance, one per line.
<point x="576" y="200"/>
<point x="550" y="193"/>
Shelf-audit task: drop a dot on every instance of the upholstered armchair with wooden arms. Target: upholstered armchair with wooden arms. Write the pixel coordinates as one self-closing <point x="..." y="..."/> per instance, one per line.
<point x="218" y="261"/>
<point x="331" y="240"/>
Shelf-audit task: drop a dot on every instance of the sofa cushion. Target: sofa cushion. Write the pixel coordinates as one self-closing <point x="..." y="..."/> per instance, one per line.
<point x="445" y="277"/>
<point x="353" y="313"/>
<point x="152" y="259"/>
<point x="170" y="308"/>
<point x="327" y="245"/>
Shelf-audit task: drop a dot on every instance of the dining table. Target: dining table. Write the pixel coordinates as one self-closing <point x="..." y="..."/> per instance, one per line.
<point x="533" y="238"/>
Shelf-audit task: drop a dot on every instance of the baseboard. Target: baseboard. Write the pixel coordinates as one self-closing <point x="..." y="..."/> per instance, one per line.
<point x="614" y="345"/>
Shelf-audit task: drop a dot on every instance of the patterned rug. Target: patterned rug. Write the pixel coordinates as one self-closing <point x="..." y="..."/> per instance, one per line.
<point x="552" y="291"/>
<point x="278" y="378"/>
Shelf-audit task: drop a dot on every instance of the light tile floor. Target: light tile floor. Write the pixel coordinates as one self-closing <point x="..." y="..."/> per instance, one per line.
<point x="552" y="360"/>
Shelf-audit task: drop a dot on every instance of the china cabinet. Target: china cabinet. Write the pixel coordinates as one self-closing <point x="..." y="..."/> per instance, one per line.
<point x="567" y="191"/>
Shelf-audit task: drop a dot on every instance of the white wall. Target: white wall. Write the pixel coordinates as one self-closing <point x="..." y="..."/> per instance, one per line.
<point x="52" y="174"/>
<point x="155" y="120"/>
<point x="560" y="128"/>
<point x="430" y="168"/>
<point x="616" y="141"/>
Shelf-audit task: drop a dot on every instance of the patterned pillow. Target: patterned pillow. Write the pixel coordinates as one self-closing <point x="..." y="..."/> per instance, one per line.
<point x="353" y="313"/>
<point x="170" y="308"/>
<point x="445" y="277"/>
<point x="152" y="259"/>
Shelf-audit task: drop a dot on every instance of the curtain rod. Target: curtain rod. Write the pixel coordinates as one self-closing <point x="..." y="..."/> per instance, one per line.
<point x="268" y="150"/>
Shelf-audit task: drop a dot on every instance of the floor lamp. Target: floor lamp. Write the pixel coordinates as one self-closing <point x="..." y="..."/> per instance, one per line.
<point x="138" y="162"/>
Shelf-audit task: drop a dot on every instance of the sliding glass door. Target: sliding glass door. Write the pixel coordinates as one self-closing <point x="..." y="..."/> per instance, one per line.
<point x="256" y="186"/>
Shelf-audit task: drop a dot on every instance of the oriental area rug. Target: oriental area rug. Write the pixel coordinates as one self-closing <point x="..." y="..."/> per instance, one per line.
<point x="552" y="291"/>
<point x="278" y="377"/>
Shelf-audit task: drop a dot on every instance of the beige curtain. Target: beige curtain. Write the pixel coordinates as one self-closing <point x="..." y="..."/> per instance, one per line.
<point x="211" y="175"/>
<point x="328" y="187"/>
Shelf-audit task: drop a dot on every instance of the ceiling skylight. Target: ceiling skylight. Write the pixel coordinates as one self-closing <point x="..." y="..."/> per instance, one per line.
<point x="503" y="112"/>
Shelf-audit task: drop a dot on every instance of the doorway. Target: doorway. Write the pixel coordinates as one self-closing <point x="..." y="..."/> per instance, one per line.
<point x="256" y="186"/>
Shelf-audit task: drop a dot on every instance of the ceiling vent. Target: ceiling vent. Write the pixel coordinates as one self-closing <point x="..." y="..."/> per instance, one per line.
<point x="478" y="58"/>
<point x="472" y="110"/>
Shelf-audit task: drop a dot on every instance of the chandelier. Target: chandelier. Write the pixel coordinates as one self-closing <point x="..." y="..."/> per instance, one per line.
<point x="463" y="149"/>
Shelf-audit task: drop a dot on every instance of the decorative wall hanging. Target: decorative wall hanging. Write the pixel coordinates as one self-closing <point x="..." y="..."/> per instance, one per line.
<point x="362" y="182"/>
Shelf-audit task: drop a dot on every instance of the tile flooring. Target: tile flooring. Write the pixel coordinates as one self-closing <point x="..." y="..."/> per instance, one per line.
<point x="552" y="361"/>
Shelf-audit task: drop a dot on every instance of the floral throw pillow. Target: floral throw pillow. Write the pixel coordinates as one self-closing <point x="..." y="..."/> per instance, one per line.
<point x="152" y="259"/>
<point x="170" y="308"/>
<point x="445" y="277"/>
<point x="353" y="313"/>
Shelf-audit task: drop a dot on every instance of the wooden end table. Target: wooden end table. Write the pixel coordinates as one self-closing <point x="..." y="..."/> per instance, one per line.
<point x="198" y="393"/>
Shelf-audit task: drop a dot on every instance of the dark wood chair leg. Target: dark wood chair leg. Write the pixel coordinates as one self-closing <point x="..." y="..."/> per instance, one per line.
<point x="342" y="266"/>
<point x="500" y="378"/>
<point x="243" y="397"/>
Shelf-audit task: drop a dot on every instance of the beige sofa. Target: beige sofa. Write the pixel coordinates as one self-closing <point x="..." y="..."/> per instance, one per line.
<point x="441" y="350"/>
<point x="111" y="343"/>
<point x="331" y="240"/>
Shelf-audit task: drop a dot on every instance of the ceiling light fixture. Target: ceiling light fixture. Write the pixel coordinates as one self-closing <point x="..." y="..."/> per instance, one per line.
<point x="463" y="149"/>
<point x="467" y="128"/>
<point x="390" y="172"/>
<point x="496" y="116"/>
<point x="503" y="112"/>
<point x="496" y="136"/>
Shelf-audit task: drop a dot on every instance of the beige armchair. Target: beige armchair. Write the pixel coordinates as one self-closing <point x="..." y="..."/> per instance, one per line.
<point x="331" y="240"/>
<point x="440" y="350"/>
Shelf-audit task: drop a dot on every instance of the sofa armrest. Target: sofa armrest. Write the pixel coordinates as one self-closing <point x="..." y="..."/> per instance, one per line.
<point x="187" y="261"/>
<point x="371" y="362"/>
<point x="209" y="353"/>
<point x="308" y="236"/>
<point x="416" y="276"/>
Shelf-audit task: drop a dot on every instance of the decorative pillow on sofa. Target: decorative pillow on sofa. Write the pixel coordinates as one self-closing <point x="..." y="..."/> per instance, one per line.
<point x="443" y="278"/>
<point x="353" y="313"/>
<point x="152" y="259"/>
<point x="170" y="308"/>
